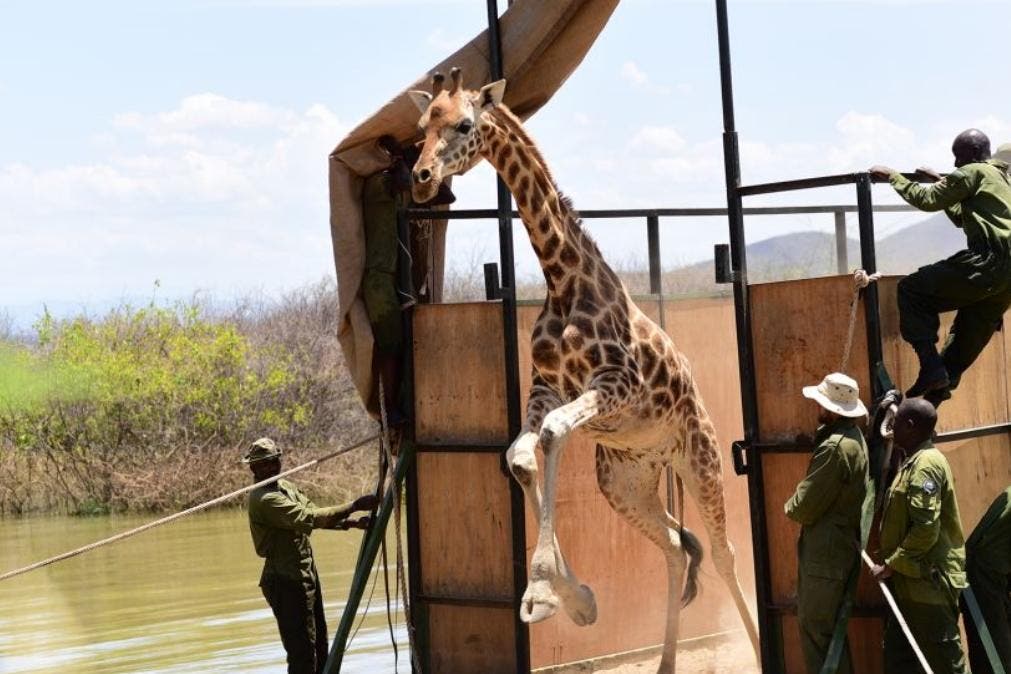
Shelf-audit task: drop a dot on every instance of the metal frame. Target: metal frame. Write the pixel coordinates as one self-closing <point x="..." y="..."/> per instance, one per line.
<point x="752" y="465"/>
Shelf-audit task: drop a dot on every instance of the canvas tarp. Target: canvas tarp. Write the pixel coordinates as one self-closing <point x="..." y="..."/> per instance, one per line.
<point x="542" y="44"/>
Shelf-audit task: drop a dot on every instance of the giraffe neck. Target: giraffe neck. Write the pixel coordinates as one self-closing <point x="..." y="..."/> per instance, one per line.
<point x="562" y="247"/>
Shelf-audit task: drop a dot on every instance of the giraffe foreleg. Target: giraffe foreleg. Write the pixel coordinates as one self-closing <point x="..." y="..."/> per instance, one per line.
<point x="522" y="460"/>
<point x="548" y="571"/>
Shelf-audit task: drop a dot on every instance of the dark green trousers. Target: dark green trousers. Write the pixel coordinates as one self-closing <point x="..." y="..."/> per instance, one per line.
<point x="298" y="608"/>
<point x="935" y="628"/>
<point x="981" y="297"/>
<point x="818" y="601"/>
<point x="991" y="592"/>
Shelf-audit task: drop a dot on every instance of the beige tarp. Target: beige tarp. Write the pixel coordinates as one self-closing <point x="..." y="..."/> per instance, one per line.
<point x="542" y="43"/>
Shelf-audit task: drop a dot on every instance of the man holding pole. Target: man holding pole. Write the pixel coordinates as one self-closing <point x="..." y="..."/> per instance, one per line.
<point x="923" y="549"/>
<point x="827" y="504"/>
<point x="281" y="518"/>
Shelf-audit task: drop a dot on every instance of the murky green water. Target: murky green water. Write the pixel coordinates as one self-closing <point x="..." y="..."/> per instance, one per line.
<point x="180" y="598"/>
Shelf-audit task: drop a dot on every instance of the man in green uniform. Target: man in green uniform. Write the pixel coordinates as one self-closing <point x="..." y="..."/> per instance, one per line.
<point x="923" y="548"/>
<point x="988" y="566"/>
<point x="977" y="281"/>
<point x="280" y="519"/>
<point x="828" y="504"/>
<point x="382" y="197"/>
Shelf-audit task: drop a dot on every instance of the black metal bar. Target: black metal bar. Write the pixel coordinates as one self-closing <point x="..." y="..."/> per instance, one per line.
<point x="858" y="611"/>
<point x="492" y="287"/>
<point x="461" y="449"/>
<point x="841" y="244"/>
<point x="653" y="244"/>
<point x="475" y="602"/>
<point x="819" y="181"/>
<point x="978" y="431"/>
<point x="405" y="284"/>
<point x="491" y="214"/>
<point x="868" y="261"/>
<point x="745" y="357"/>
<point x="512" y="359"/>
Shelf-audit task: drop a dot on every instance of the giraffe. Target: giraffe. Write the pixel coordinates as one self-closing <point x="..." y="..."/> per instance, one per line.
<point x="599" y="365"/>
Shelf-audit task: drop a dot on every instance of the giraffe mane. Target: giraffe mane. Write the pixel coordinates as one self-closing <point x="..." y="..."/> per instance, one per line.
<point x="502" y="113"/>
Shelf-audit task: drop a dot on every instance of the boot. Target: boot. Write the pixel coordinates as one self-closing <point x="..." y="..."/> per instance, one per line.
<point x="933" y="375"/>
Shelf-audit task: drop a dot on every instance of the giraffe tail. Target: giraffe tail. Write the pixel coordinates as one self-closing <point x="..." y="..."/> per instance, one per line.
<point x="693" y="548"/>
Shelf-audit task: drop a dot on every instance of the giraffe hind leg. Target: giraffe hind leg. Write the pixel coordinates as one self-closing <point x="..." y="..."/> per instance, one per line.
<point x="706" y="469"/>
<point x="630" y="486"/>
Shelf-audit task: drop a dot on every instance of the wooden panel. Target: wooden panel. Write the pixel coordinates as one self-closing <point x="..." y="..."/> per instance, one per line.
<point x="624" y="569"/>
<point x="459" y="381"/>
<point x="799" y="332"/>
<point x="466" y="532"/>
<point x="982" y="396"/>
<point x="865" y="637"/>
<point x="782" y="472"/>
<point x="465" y="639"/>
<point x="981" y="468"/>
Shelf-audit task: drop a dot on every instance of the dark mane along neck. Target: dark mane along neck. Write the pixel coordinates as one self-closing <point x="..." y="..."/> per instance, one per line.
<point x="562" y="246"/>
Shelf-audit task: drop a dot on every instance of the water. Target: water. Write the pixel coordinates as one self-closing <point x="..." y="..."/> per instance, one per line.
<point x="182" y="598"/>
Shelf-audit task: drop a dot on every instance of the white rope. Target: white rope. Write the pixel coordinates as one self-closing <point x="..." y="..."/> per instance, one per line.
<point x="179" y="515"/>
<point x="898" y="616"/>
<point x="861" y="279"/>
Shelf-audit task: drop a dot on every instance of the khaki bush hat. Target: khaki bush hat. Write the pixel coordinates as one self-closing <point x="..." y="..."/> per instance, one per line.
<point x="1003" y="153"/>
<point x="261" y="450"/>
<point x="839" y="394"/>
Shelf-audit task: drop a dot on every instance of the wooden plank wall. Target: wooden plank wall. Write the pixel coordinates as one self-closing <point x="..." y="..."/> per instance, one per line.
<point x="459" y="393"/>
<point x="464" y="524"/>
<point x="799" y="336"/>
<point x="626" y="571"/>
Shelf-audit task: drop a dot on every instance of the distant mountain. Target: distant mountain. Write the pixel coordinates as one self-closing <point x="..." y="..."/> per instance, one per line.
<point x="807" y="254"/>
<point x="919" y="244"/>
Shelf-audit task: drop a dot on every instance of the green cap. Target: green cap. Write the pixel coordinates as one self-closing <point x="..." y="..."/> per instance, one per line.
<point x="262" y="449"/>
<point x="1003" y="153"/>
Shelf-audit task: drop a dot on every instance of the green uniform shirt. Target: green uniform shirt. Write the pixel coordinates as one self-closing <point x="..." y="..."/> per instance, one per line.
<point x="977" y="198"/>
<point x="281" y="518"/>
<point x="921" y="532"/>
<point x="989" y="545"/>
<point x="829" y="500"/>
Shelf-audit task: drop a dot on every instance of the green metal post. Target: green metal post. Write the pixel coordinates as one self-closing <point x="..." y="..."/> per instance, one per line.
<point x="366" y="558"/>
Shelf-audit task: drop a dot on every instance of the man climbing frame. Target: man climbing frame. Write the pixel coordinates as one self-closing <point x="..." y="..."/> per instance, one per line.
<point x="976" y="196"/>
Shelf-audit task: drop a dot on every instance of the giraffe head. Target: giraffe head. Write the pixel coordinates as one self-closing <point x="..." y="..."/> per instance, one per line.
<point x="450" y="121"/>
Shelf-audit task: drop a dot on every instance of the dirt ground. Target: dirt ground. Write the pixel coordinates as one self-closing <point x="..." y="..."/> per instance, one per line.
<point x="733" y="656"/>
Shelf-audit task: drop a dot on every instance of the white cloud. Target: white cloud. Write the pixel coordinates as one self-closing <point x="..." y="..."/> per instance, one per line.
<point x="634" y="75"/>
<point x="444" y="42"/>
<point x="213" y="193"/>
<point x="657" y="139"/>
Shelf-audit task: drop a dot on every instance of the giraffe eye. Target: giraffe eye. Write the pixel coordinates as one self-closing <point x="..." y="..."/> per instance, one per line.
<point x="465" y="126"/>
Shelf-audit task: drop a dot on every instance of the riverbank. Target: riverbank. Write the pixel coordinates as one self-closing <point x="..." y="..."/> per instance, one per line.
<point x="149" y="409"/>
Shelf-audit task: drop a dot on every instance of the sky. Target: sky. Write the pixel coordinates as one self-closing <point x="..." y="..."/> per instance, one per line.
<point x="183" y="144"/>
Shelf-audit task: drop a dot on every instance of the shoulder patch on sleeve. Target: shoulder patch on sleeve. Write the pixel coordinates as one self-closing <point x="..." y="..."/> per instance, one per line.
<point x="929" y="486"/>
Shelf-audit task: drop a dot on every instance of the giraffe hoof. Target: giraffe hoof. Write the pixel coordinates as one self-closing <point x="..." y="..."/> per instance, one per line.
<point x="581" y="606"/>
<point x="539" y="603"/>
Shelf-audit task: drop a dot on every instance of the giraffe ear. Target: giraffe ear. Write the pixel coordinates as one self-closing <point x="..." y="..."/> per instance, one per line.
<point x="421" y="99"/>
<point x="491" y="94"/>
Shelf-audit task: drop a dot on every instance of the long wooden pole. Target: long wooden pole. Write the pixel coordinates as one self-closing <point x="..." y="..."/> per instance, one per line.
<point x="898" y="616"/>
<point x="189" y="511"/>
